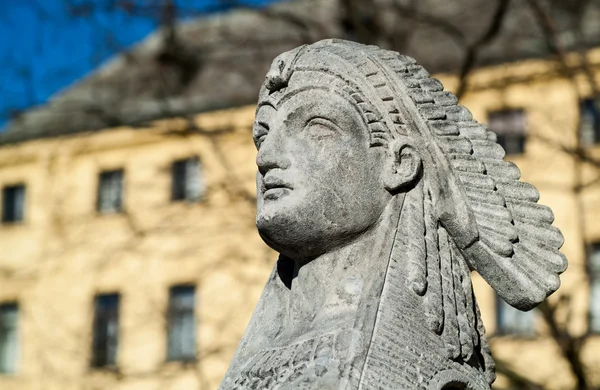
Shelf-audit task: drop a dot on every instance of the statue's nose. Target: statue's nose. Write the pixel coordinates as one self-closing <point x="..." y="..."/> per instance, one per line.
<point x="272" y="154"/>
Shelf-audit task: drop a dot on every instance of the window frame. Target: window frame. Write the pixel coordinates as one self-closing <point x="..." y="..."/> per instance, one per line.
<point x="584" y="104"/>
<point x="15" y="336"/>
<point x="109" y="362"/>
<point x="169" y="320"/>
<point x="180" y="180"/>
<point x="99" y="192"/>
<point x="521" y="136"/>
<point x="501" y="328"/>
<point x="594" y="278"/>
<point x="14" y="220"/>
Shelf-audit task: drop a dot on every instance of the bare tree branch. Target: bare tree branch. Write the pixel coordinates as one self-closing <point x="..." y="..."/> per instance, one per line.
<point x="474" y="48"/>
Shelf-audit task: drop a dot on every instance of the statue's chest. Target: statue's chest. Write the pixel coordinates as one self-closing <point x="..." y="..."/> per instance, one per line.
<point x="322" y="362"/>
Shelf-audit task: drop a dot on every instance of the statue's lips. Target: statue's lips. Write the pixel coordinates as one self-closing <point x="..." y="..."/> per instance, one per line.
<point x="274" y="187"/>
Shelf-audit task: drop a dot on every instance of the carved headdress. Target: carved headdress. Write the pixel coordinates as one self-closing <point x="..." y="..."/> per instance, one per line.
<point x="469" y="211"/>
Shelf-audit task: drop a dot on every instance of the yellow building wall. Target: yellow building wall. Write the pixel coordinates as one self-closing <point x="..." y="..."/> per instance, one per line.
<point x="65" y="252"/>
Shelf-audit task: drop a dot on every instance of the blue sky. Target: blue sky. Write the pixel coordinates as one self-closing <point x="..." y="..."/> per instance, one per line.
<point x="46" y="45"/>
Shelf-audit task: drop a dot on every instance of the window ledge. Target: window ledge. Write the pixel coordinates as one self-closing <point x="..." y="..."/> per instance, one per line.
<point x="113" y="370"/>
<point x="13" y="224"/>
<point x="182" y="361"/>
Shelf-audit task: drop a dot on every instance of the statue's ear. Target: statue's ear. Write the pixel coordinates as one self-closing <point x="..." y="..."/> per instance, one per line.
<point x="403" y="165"/>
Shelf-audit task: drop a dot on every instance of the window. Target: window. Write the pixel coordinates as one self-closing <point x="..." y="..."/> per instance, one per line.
<point x="110" y="192"/>
<point x="594" y="268"/>
<point x="13" y="203"/>
<point x="510" y="321"/>
<point x="9" y="344"/>
<point x="187" y="180"/>
<point x="181" y="331"/>
<point x="589" y="125"/>
<point x="509" y="126"/>
<point x="106" y="330"/>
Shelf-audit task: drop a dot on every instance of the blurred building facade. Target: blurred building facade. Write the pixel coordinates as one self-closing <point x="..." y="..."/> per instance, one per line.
<point x="129" y="254"/>
<point x="131" y="261"/>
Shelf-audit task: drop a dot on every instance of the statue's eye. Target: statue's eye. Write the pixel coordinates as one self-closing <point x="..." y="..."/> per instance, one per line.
<point x="322" y="128"/>
<point x="260" y="132"/>
<point x="259" y="140"/>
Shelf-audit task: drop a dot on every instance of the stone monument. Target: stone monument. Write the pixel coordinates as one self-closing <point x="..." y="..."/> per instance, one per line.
<point x="381" y="195"/>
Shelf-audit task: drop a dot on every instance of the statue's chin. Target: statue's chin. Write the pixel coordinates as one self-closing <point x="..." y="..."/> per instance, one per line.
<point x="291" y="237"/>
<point x="282" y="238"/>
<point x="304" y="233"/>
<point x="301" y="242"/>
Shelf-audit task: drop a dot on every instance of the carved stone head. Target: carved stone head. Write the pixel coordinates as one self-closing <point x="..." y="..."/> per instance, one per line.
<point x="326" y="171"/>
<point x="382" y="194"/>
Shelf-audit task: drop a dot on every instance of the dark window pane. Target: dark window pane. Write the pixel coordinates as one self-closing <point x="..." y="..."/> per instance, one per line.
<point x="13" y="203"/>
<point x="9" y="343"/>
<point x="589" y="122"/>
<point x="106" y="330"/>
<point x="181" y="323"/>
<point x="193" y="180"/>
<point x="110" y="192"/>
<point x="509" y="126"/>
<point x="594" y="265"/>
<point x="178" y="177"/>
<point x="512" y="144"/>
<point x="187" y="181"/>
<point x="510" y="321"/>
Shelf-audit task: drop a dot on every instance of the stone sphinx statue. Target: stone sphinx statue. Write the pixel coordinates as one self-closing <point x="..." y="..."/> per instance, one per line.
<point x="381" y="195"/>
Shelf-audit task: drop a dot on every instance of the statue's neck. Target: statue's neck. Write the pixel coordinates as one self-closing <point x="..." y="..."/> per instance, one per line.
<point x="328" y="291"/>
<point x="321" y="282"/>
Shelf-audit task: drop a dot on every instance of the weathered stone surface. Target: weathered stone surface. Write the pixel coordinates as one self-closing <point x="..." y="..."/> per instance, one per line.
<point x="379" y="209"/>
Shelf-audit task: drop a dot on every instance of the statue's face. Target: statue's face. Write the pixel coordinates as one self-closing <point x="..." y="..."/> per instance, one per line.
<point x="319" y="183"/>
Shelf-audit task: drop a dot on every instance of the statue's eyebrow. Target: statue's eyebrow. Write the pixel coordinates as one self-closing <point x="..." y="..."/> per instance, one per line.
<point x="265" y="103"/>
<point x="263" y="124"/>
<point x="300" y="111"/>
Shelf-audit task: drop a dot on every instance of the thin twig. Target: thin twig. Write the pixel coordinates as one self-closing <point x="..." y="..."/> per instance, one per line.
<point x="473" y="49"/>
